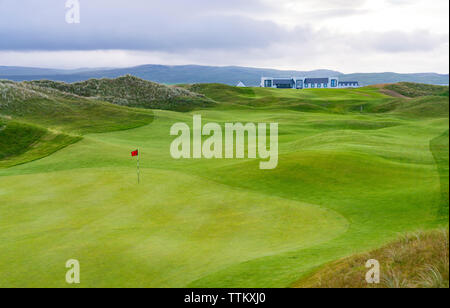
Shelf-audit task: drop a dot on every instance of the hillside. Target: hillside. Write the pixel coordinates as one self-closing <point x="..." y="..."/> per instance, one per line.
<point x="191" y="74"/>
<point x="21" y="143"/>
<point x="409" y="89"/>
<point x="36" y="121"/>
<point x="65" y="112"/>
<point x="132" y="92"/>
<point x="419" y="260"/>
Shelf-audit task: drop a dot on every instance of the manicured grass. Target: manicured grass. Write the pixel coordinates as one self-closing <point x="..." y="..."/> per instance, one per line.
<point x="347" y="182"/>
<point x="439" y="147"/>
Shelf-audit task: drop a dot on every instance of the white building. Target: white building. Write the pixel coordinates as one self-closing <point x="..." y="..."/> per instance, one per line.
<point x="307" y="83"/>
<point x="241" y="85"/>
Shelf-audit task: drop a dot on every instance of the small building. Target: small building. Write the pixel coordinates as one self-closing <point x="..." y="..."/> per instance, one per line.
<point x="348" y="84"/>
<point x="307" y="83"/>
<point x="241" y="85"/>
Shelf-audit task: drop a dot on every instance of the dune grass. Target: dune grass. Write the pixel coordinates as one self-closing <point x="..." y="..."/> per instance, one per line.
<point x="410" y="89"/>
<point x="417" y="260"/>
<point x="133" y="92"/>
<point x="347" y="182"/>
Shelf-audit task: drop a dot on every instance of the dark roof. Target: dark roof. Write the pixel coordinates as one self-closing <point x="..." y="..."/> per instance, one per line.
<point x="283" y="81"/>
<point x="348" y="81"/>
<point x="316" y="80"/>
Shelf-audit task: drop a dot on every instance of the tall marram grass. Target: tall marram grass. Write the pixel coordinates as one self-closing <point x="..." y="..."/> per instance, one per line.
<point x="416" y="260"/>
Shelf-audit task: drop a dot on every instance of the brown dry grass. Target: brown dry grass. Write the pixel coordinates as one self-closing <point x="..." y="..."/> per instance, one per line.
<point x="384" y="90"/>
<point x="418" y="260"/>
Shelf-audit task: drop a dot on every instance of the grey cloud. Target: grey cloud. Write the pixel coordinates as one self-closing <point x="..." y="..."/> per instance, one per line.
<point x="402" y="2"/>
<point x="333" y="4"/>
<point x="177" y="26"/>
<point x="397" y="41"/>
<point x="338" y="13"/>
<point x="147" y="25"/>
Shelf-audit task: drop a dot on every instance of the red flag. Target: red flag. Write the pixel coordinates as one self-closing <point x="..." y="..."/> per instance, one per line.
<point x="135" y="153"/>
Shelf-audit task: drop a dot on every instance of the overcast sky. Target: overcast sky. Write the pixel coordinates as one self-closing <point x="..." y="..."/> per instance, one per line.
<point x="346" y="35"/>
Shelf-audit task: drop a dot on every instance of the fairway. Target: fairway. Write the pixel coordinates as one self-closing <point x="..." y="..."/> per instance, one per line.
<point x="356" y="168"/>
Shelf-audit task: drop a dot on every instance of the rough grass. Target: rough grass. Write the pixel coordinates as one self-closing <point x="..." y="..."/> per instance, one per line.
<point x="417" y="260"/>
<point x="133" y="92"/>
<point x="410" y="89"/>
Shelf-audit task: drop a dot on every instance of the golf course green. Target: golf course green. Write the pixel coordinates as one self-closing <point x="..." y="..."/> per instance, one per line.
<point x="356" y="169"/>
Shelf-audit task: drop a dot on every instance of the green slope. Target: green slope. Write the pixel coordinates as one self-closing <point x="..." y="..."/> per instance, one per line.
<point x="347" y="182"/>
<point x="440" y="149"/>
<point x="21" y="143"/>
<point x="16" y="138"/>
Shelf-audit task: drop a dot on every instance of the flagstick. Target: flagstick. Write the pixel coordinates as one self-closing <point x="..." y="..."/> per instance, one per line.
<point x="138" y="170"/>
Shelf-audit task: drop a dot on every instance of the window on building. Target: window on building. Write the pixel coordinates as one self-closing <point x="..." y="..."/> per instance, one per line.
<point x="333" y="83"/>
<point x="268" y="83"/>
<point x="284" y="86"/>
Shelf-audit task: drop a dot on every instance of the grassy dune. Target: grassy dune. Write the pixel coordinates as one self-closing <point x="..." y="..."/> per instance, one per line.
<point x="409" y="89"/>
<point x="418" y="260"/>
<point x="38" y="121"/>
<point x="61" y="111"/>
<point x="349" y="180"/>
<point x="132" y="92"/>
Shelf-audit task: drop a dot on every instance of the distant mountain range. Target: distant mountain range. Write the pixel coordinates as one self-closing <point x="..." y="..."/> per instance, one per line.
<point x="187" y="74"/>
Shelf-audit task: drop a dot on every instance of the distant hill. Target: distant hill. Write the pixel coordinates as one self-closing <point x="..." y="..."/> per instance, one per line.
<point x="33" y="71"/>
<point x="190" y="74"/>
<point x="377" y="78"/>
